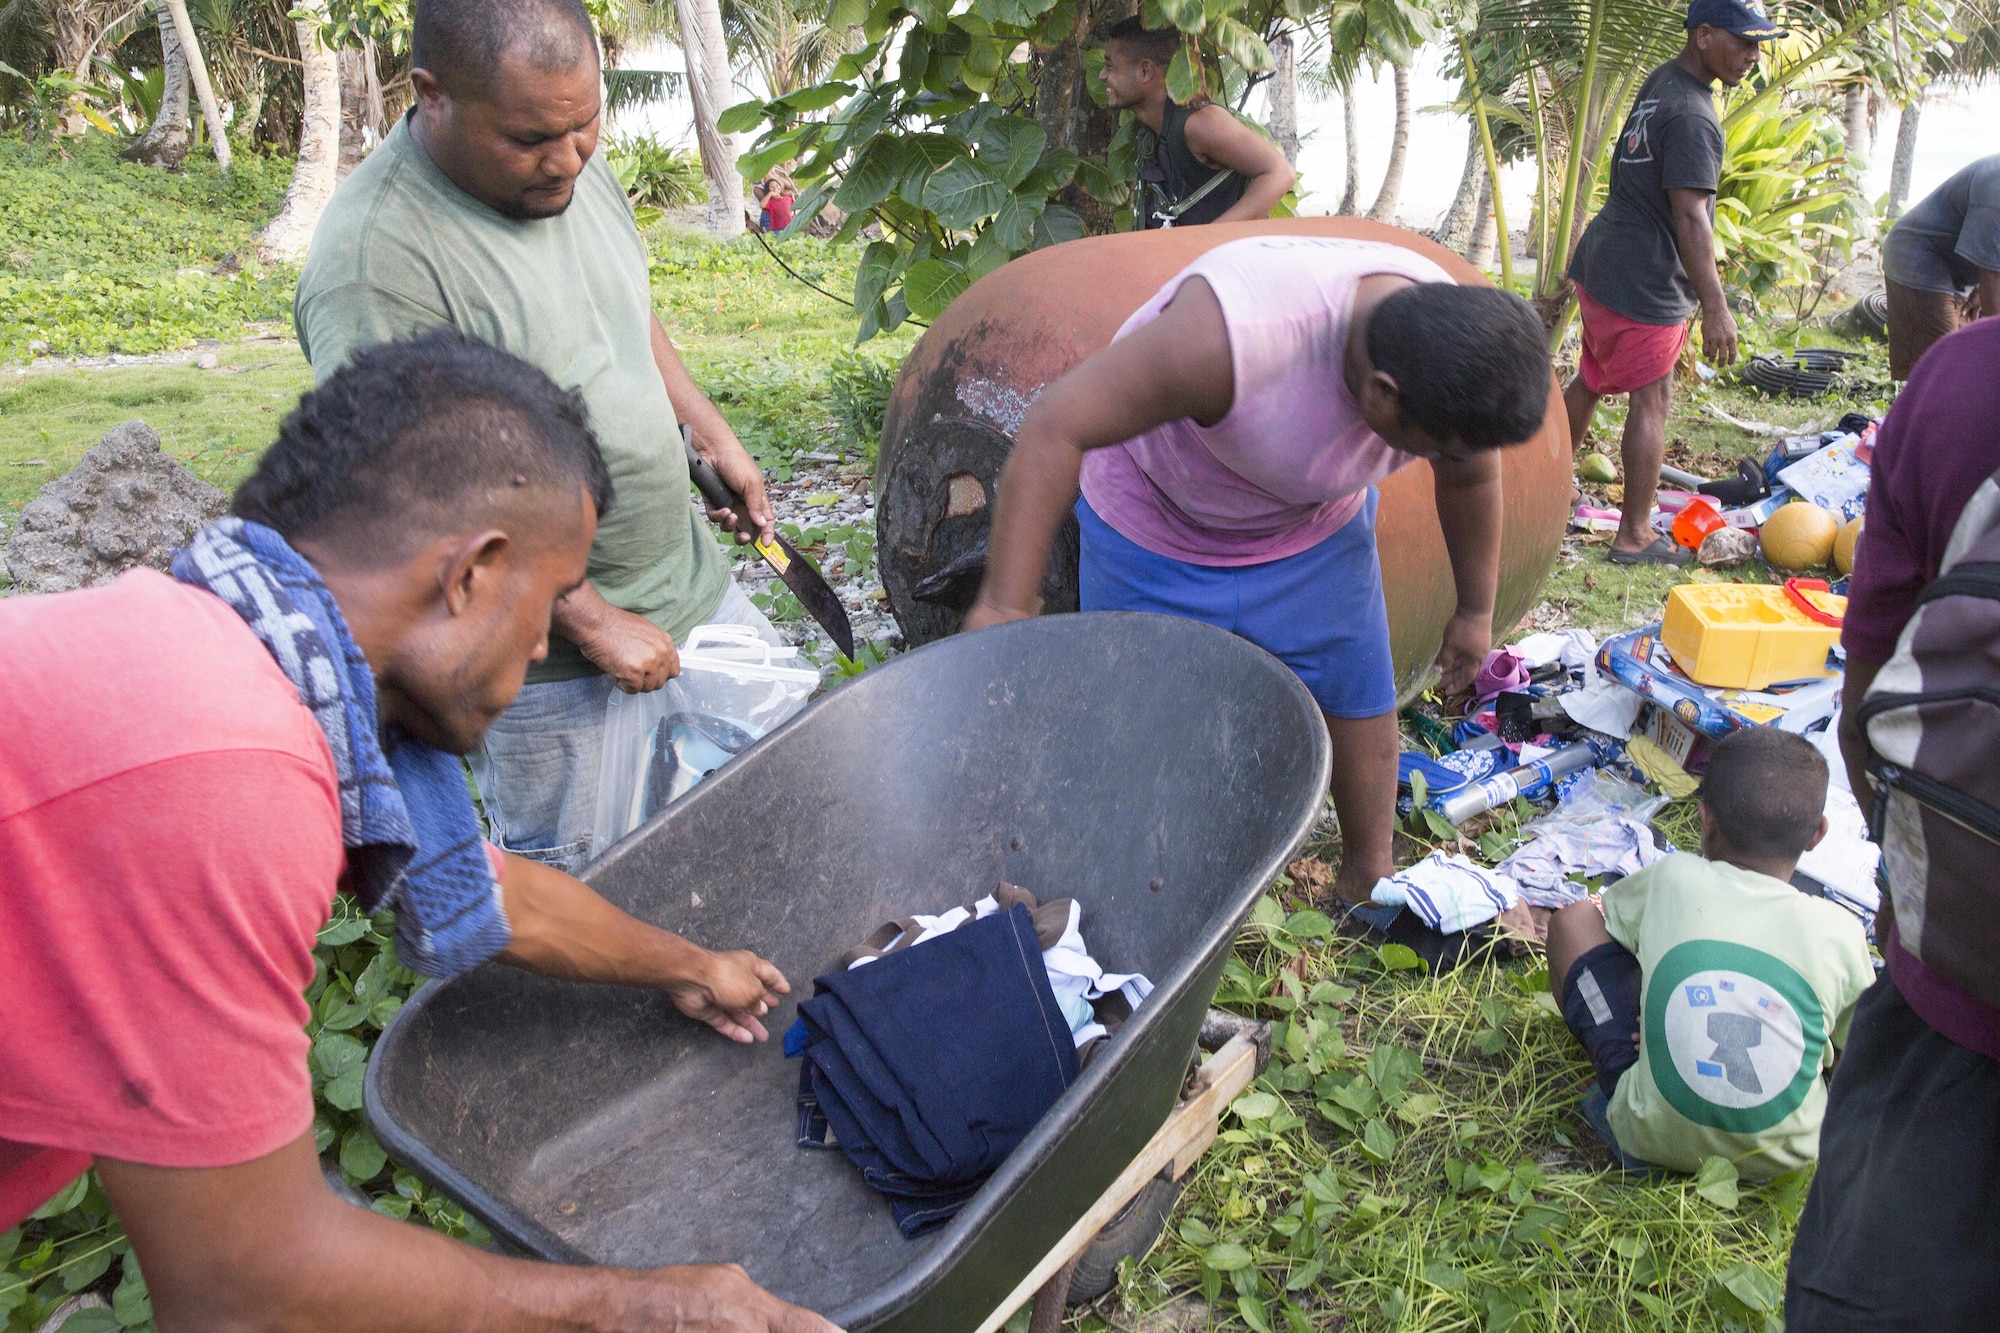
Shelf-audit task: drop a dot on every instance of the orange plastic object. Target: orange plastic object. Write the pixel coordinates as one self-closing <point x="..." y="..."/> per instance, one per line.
<point x="1746" y="636"/>
<point x="972" y="376"/>
<point x="1797" y="590"/>
<point x="1699" y="518"/>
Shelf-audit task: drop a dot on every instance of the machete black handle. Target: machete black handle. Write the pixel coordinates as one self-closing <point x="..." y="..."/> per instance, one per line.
<point x="714" y="490"/>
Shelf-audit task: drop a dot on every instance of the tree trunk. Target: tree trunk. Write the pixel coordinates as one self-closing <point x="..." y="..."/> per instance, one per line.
<point x="211" y="111"/>
<point x="1454" y="230"/>
<point x="708" y="90"/>
<point x="1479" y="253"/>
<point x="286" y="237"/>
<point x="354" y="127"/>
<point x="1285" y="97"/>
<point x="165" y="142"/>
<point x="1064" y="109"/>
<point x="1384" y="209"/>
<point x="1905" y="160"/>
<point x="1854" y="123"/>
<point x="1350" y="196"/>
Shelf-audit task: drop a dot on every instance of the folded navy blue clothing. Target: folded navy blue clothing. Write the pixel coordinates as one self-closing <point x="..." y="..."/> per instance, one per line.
<point x="931" y="1064"/>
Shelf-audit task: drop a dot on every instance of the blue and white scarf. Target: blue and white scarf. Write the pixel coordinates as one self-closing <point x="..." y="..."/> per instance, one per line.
<point x="412" y="838"/>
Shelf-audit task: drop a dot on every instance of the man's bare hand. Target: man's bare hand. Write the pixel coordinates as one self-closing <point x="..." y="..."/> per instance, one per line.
<point x="638" y="655"/>
<point x="984" y="613"/>
<point x="1718" y="336"/>
<point x="1467" y="640"/>
<point x="714" y="1298"/>
<point x="740" y="470"/>
<point x="730" y="992"/>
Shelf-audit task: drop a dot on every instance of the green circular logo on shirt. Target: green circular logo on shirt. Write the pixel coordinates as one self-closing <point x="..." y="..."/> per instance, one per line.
<point x="1733" y="1035"/>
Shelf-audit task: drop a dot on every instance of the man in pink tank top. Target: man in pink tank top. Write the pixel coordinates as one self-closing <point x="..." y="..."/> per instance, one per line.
<point x="1227" y="445"/>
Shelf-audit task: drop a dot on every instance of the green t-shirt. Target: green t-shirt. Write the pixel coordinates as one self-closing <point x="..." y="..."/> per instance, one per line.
<point x="1748" y="989"/>
<point x="401" y="248"/>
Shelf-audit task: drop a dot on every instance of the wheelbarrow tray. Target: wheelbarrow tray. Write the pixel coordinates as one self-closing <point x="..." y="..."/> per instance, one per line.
<point x="1159" y="771"/>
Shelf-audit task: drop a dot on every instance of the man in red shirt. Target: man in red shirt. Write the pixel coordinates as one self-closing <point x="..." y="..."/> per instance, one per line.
<point x="191" y="767"/>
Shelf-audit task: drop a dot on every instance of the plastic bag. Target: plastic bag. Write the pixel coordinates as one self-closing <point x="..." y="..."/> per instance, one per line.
<point x="733" y="689"/>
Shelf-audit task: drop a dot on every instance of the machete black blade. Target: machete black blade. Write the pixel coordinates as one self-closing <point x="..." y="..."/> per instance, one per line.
<point x="814" y="594"/>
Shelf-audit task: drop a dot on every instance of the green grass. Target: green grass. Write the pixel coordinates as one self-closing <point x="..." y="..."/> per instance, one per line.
<point x="1419" y="1164"/>
<point x="99" y="255"/>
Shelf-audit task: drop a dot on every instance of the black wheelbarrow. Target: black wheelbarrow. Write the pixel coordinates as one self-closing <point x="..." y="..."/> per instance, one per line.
<point x="1159" y="771"/>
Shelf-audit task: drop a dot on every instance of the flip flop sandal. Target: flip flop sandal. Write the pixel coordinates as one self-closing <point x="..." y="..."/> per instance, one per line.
<point x="1664" y="551"/>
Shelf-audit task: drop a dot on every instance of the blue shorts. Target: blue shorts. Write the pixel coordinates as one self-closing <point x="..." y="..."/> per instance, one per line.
<point x="1320" y="612"/>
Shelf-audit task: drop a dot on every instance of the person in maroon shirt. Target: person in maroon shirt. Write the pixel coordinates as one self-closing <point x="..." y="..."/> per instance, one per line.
<point x="1901" y="1229"/>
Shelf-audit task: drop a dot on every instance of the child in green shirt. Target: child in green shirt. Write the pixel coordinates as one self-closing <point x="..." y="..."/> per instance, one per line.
<point x="1709" y="993"/>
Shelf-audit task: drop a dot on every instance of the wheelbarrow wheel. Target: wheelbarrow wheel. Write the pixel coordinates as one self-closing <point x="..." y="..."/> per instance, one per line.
<point x="1128" y="1235"/>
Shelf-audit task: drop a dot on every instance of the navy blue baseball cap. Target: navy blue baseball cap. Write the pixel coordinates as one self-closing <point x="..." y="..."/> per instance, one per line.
<point x="1745" y="18"/>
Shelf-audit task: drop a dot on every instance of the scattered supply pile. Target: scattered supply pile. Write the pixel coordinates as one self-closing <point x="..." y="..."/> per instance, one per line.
<point x="1604" y="735"/>
<point x="940" y="1041"/>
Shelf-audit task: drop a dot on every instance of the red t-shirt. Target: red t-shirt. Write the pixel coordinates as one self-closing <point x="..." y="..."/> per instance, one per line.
<point x="169" y="847"/>
<point x="779" y="206"/>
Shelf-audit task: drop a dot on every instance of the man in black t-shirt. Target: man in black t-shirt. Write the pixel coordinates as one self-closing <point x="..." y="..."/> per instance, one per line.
<point x="1941" y="263"/>
<point x="1648" y="259"/>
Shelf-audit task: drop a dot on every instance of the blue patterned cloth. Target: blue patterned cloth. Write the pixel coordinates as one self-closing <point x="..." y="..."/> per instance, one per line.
<point x="406" y="818"/>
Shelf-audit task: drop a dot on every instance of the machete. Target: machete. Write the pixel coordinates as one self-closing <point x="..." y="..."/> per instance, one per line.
<point x="805" y="581"/>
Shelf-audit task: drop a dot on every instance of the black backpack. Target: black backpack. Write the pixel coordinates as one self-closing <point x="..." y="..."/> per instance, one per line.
<point x="1932" y="724"/>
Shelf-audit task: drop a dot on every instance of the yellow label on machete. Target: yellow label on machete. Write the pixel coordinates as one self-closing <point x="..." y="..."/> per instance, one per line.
<point x="773" y="554"/>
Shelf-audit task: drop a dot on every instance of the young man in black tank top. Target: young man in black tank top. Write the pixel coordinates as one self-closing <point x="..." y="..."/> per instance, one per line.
<point x="1193" y="144"/>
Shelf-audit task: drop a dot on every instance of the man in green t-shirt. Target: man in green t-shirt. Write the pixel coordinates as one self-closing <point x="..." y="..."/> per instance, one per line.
<point x="488" y="209"/>
<point x="1709" y="992"/>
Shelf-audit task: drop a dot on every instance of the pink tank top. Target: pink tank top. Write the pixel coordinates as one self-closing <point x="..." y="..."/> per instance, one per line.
<point x="1293" y="459"/>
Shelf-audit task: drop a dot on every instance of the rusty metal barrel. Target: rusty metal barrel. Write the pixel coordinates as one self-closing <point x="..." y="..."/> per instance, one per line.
<point x="973" y="375"/>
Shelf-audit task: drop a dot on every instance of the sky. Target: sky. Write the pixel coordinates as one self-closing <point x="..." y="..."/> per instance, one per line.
<point x="1957" y="128"/>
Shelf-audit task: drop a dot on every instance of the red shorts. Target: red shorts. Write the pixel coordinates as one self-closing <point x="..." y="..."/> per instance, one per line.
<point x="1620" y="354"/>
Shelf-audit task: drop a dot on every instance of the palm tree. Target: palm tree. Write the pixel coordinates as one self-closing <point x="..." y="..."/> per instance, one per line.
<point x="1454" y="230"/>
<point x="317" y="168"/>
<point x="211" y="111"/>
<point x="1968" y="62"/>
<point x="709" y="84"/>
<point x="1285" y="96"/>
<point x="1350" y="194"/>
<point x="165" y="142"/>
<point x="1386" y="199"/>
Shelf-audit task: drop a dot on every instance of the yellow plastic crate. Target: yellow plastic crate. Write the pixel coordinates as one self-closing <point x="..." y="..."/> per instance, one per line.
<point x="1745" y="636"/>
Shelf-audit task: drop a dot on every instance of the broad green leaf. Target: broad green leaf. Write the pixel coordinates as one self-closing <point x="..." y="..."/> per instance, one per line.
<point x="1357" y="1097"/>
<point x="862" y="119"/>
<point x="879" y="265"/>
<point x="1309" y="925"/>
<point x="1252" y="1312"/>
<point x="1716" y="1182"/>
<point x="780" y="148"/>
<point x="1226" y="1257"/>
<point x="1184" y="81"/>
<point x="344" y="1017"/>
<point x="66" y="1198"/>
<point x="982" y="63"/>
<point x="131" y="1303"/>
<point x="1011" y="146"/>
<point x="10" y="1241"/>
<point x="1759" y="1292"/>
<point x="1378" y="1140"/>
<point x="1256" y="1106"/>
<point x="988" y="254"/>
<point x="1444" y="1277"/>
<point x="336" y="933"/>
<point x="91" y="1321"/>
<point x="1197" y="1234"/>
<point x="916" y="60"/>
<point x="923" y="154"/>
<point x="1399" y="958"/>
<point x="741" y="118"/>
<point x="1056" y="169"/>
<point x="1390" y="1068"/>
<point x="1242" y="45"/>
<point x="881" y="18"/>
<point x="963" y="192"/>
<point x="1330" y="992"/>
<point x="872" y="177"/>
<point x="816" y="98"/>
<point x="1419" y="1107"/>
<point x="844" y="14"/>
<point x="1057" y="223"/>
<point x="361" y="1157"/>
<point x="81" y="1272"/>
<point x="931" y="285"/>
<point x="850" y="65"/>
<point x="1628" y="1247"/>
<point x="1014" y="225"/>
<point x="1186" y="15"/>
